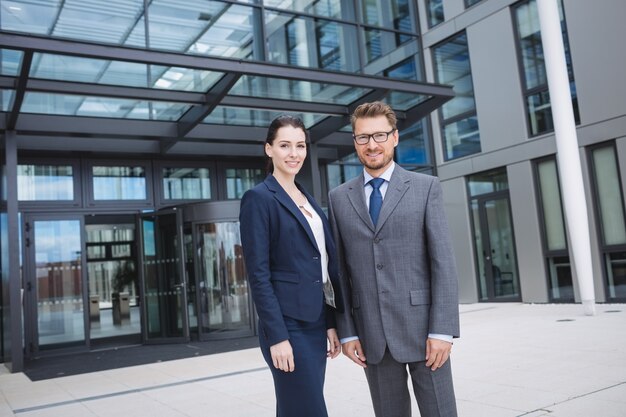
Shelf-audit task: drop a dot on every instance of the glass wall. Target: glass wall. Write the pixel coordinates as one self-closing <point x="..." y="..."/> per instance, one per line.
<point x="119" y="183"/>
<point x="534" y="72"/>
<point x="434" y="8"/>
<point x="311" y="42"/>
<point x="240" y="180"/>
<point x="45" y="183"/>
<point x="560" y="282"/>
<point x="458" y="116"/>
<point x="610" y="209"/>
<point x="186" y="183"/>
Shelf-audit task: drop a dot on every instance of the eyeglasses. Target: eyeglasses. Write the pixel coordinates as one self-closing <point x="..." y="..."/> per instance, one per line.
<point x="379" y="137"/>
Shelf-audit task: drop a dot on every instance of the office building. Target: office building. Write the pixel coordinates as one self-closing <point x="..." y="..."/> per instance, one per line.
<point x="132" y="127"/>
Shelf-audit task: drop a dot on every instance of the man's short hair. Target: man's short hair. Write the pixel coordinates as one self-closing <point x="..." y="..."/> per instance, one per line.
<point x="374" y="109"/>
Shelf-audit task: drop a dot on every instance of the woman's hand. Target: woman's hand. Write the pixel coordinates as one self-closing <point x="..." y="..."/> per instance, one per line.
<point x="282" y="356"/>
<point x="334" y="347"/>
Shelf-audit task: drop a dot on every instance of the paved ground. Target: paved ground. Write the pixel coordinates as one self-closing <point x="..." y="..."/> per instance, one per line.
<point x="512" y="360"/>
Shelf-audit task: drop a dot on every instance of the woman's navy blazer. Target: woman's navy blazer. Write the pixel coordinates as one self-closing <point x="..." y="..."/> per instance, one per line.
<point x="282" y="259"/>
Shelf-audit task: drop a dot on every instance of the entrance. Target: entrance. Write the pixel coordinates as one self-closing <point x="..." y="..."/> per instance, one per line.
<point x="224" y="307"/>
<point x="94" y="281"/>
<point x="495" y="250"/>
<point x="54" y="283"/>
<point x="163" y="278"/>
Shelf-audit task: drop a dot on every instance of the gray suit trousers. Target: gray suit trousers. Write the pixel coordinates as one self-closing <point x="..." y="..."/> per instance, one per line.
<point x="390" y="394"/>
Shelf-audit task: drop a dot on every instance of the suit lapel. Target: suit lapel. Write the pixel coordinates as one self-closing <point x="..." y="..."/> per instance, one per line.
<point x="283" y="198"/>
<point x="356" y="195"/>
<point x="398" y="184"/>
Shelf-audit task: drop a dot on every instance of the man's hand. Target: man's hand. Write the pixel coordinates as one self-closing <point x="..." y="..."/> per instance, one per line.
<point x="437" y="353"/>
<point x="334" y="347"/>
<point x="282" y="356"/>
<point x="353" y="350"/>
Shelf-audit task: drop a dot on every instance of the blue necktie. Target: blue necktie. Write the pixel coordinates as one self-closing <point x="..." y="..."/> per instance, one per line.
<point x="376" y="198"/>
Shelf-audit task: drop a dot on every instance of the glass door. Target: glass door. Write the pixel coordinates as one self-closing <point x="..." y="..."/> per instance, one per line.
<point x="163" y="279"/>
<point x="224" y="299"/>
<point x="495" y="249"/>
<point x="54" y="282"/>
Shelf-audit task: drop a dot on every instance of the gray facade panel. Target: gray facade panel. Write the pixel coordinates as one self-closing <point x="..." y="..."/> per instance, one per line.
<point x="596" y="34"/>
<point x="455" y="196"/>
<point x="527" y="230"/>
<point x="497" y="88"/>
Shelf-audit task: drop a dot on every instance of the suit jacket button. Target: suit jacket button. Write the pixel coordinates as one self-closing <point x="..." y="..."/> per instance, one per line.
<point x="377" y="240"/>
<point x="379" y="266"/>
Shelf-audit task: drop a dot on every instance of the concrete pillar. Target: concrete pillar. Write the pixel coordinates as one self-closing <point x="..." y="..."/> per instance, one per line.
<point x="568" y="156"/>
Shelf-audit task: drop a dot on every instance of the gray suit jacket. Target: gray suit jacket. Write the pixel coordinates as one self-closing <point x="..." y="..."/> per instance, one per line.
<point x="398" y="278"/>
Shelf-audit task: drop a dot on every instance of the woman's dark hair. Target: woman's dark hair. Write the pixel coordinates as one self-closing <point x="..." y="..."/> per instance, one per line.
<point x="282" y="121"/>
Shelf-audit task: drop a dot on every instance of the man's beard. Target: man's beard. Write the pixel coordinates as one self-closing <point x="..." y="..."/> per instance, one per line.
<point x="376" y="166"/>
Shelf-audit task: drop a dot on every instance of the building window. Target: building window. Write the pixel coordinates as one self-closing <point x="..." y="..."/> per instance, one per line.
<point x="119" y="183"/>
<point x="609" y="202"/>
<point x="469" y="3"/>
<point x="45" y="183"/>
<point x="458" y="116"/>
<point x="311" y="42"/>
<point x="560" y="283"/>
<point x="534" y="76"/>
<point x="186" y="183"/>
<point x="494" y="240"/>
<point x="434" y="8"/>
<point x="240" y="180"/>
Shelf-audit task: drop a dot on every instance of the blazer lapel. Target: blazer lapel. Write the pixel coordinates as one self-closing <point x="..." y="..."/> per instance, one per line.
<point x="283" y="198"/>
<point x="356" y="195"/>
<point x="398" y="184"/>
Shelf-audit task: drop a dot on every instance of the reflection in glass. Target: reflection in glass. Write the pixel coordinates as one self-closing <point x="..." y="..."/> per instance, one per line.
<point x="551" y="205"/>
<point x="29" y="16"/>
<point x="413" y="148"/>
<point x="186" y="183"/>
<point x="240" y="180"/>
<point x="394" y="14"/>
<point x="203" y="27"/>
<point x="534" y="71"/>
<point x="73" y="105"/>
<point x="609" y="195"/>
<point x="296" y="90"/>
<point x="60" y="308"/>
<point x="469" y="3"/>
<point x="113" y="280"/>
<point x="379" y="42"/>
<point x="309" y="42"/>
<point x="435" y="12"/>
<point x="10" y="62"/>
<point x="119" y="183"/>
<point x="616" y="275"/>
<point x="461" y="137"/>
<point x="480" y="251"/>
<point x="163" y="283"/>
<point x="560" y="279"/>
<point x="488" y="182"/>
<point x="250" y="117"/>
<point x="327" y="8"/>
<point x="89" y="70"/>
<point x="503" y="258"/>
<point x="343" y="169"/>
<point x="45" y="183"/>
<point x="6" y="100"/>
<point x="224" y="300"/>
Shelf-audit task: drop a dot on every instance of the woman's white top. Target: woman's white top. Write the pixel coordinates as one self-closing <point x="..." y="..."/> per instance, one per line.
<point x="317" y="227"/>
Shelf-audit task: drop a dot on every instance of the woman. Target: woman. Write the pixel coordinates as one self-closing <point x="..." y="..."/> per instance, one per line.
<point x="291" y="265"/>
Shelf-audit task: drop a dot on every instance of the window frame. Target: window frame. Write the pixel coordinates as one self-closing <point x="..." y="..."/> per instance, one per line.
<point x="90" y="200"/>
<point x="159" y="192"/>
<point x="77" y="201"/>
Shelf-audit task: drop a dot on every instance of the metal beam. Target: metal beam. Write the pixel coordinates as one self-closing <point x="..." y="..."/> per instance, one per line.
<point x="212" y="99"/>
<point x="20" y="90"/>
<point x="225" y="65"/>
<point x="332" y="124"/>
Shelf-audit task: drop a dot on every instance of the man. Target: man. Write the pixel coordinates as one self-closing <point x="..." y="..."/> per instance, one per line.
<point x="397" y="272"/>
